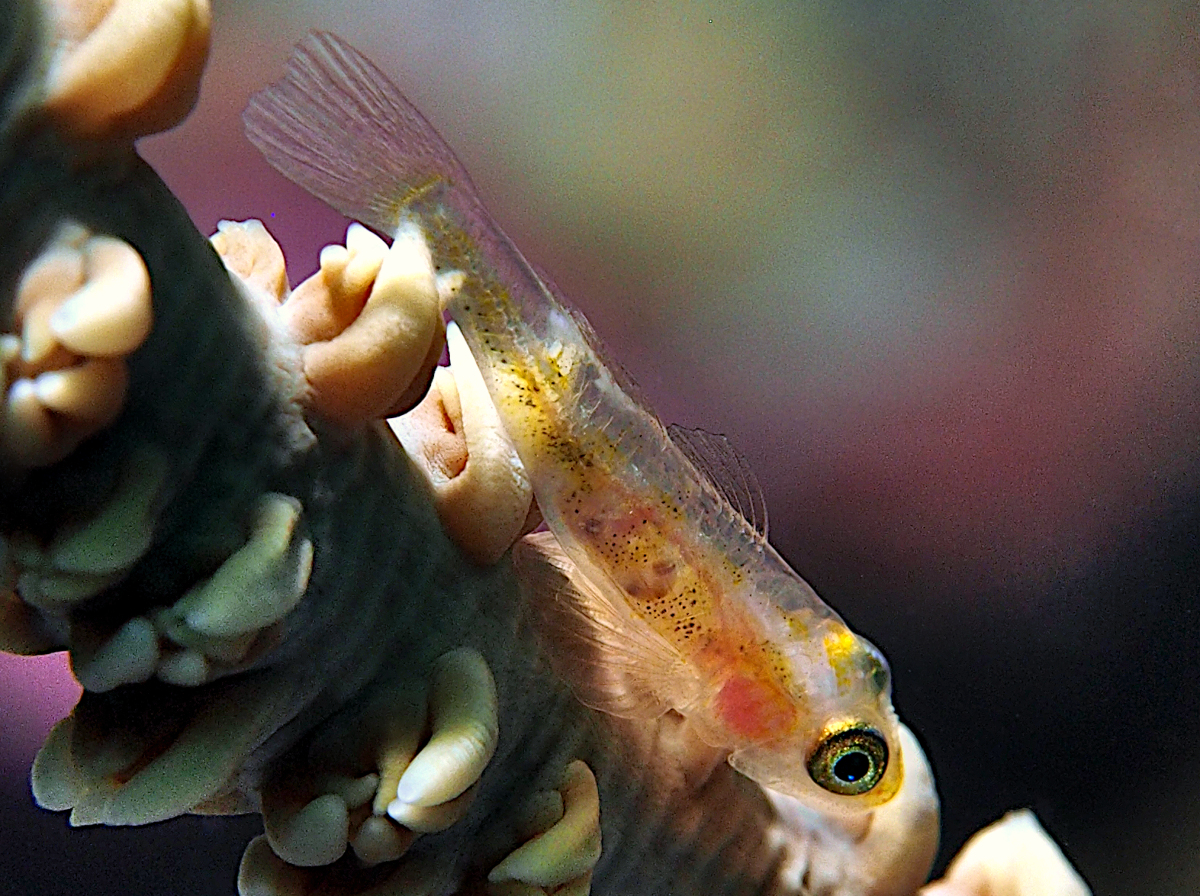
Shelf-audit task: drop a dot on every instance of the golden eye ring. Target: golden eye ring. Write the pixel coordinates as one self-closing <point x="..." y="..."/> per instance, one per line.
<point x="849" y="762"/>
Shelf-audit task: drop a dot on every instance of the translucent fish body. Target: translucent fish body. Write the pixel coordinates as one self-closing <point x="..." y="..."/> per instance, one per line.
<point x="655" y="593"/>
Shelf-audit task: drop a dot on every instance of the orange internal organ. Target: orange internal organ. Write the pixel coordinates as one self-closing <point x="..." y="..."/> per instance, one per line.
<point x="751" y="699"/>
<point x="629" y="538"/>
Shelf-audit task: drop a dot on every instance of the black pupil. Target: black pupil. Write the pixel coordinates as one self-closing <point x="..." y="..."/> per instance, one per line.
<point x="852" y="766"/>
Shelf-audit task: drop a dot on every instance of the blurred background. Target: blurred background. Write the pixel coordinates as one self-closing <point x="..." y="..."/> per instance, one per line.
<point x="933" y="267"/>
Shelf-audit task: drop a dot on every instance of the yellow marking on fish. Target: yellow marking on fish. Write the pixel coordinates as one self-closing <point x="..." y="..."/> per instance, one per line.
<point x="414" y="193"/>
<point x="842" y="648"/>
<point x="797" y="627"/>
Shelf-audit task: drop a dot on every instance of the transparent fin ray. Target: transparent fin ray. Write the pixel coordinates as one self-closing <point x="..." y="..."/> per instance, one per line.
<point x="610" y="665"/>
<point x="338" y="127"/>
<point x="731" y="474"/>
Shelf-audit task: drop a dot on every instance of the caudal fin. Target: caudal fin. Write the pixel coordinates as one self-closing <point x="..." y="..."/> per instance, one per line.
<point x="337" y="126"/>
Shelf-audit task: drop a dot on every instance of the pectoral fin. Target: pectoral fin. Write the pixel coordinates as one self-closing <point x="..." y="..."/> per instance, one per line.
<point x="612" y="663"/>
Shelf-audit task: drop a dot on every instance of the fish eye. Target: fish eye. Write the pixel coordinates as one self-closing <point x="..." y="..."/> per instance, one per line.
<point x="850" y="761"/>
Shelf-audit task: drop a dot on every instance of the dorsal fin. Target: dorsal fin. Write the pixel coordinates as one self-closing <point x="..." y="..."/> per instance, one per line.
<point x="622" y="377"/>
<point x="731" y="474"/>
<point x="611" y="663"/>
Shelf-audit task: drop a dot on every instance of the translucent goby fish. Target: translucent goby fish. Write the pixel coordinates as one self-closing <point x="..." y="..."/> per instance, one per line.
<point x="653" y="590"/>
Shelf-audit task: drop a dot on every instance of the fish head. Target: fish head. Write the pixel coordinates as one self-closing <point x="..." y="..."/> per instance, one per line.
<point x="843" y="753"/>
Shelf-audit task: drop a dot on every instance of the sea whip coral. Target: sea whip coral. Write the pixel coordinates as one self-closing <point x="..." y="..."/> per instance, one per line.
<point x="250" y="574"/>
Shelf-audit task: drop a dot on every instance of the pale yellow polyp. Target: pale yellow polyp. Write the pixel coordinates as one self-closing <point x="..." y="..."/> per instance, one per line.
<point x="316" y="835"/>
<point x="481" y="490"/>
<point x="251" y="253"/>
<point x="446" y="723"/>
<point x="261" y="582"/>
<point x="569" y="849"/>
<point x="463" y="712"/>
<point x="37" y="338"/>
<point x="137" y="774"/>
<point x="186" y="668"/>
<point x="121" y="533"/>
<point x="327" y="302"/>
<point x="369" y="324"/>
<point x="431" y="819"/>
<point x="81" y="307"/>
<point x="57" y="271"/>
<point x="1012" y="857"/>
<point x="110" y="315"/>
<point x="129" y="656"/>
<point x="91" y="392"/>
<point x="123" y="61"/>
<point x="379" y="840"/>
<point x="28" y="436"/>
<point x="405" y="727"/>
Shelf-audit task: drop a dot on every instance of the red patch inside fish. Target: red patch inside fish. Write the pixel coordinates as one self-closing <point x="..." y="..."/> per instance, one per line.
<point x="754" y="709"/>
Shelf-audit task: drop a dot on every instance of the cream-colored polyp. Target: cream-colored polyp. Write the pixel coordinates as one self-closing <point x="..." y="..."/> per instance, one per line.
<point x="1011" y="857"/>
<point x="481" y="490"/>
<point x="125" y="67"/>
<point x="81" y="308"/>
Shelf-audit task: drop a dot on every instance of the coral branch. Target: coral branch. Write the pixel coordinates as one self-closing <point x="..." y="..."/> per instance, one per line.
<point x="268" y="602"/>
